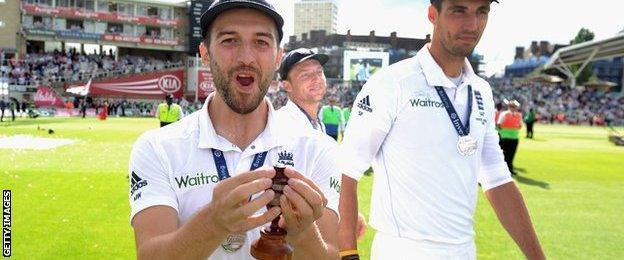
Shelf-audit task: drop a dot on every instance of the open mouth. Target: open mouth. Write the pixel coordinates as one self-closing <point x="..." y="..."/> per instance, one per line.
<point x="245" y="79"/>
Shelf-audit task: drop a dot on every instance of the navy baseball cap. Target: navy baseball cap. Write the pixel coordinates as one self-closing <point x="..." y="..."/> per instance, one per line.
<point x="297" y="56"/>
<point x="220" y="6"/>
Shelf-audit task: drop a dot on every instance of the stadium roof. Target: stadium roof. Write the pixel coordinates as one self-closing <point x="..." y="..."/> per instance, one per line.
<point x="583" y="53"/>
<point x="528" y="63"/>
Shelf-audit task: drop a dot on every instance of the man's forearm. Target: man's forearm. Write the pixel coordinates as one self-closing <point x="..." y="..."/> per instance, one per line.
<point x="312" y="246"/>
<point x="512" y="213"/>
<point x="194" y="240"/>
<point x="348" y="214"/>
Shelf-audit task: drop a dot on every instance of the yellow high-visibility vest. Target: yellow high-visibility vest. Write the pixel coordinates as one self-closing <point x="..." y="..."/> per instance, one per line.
<point x="169" y="114"/>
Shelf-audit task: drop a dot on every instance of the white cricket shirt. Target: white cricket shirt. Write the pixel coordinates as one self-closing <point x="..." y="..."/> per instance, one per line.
<point x="423" y="188"/>
<point x="173" y="166"/>
<point x="297" y="118"/>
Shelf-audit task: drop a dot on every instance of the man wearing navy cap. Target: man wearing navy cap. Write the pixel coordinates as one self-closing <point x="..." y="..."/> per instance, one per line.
<point x="302" y="76"/>
<point x="426" y="124"/>
<point x="200" y="187"/>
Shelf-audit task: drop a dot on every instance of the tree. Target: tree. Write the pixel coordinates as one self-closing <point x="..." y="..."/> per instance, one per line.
<point x="584" y="35"/>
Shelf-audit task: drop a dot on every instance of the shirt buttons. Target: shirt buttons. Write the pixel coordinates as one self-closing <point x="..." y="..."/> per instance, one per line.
<point x="253" y="147"/>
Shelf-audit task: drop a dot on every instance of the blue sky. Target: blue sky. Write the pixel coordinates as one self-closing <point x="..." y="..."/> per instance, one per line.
<point x="512" y="22"/>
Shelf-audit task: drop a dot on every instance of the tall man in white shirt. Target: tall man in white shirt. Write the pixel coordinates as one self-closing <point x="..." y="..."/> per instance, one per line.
<point x="301" y="72"/>
<point x="427" y="125"/>
<point x="185" y="204"/>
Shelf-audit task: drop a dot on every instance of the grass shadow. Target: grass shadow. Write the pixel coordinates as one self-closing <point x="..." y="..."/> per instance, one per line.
<point x="532" y="182"/>
<point x="535" y="139"/>
<point x="522" y="170"/>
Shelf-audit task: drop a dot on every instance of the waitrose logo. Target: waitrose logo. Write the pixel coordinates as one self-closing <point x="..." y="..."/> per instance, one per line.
<point x="425" y="103"/>
<point x="197" y="179"/>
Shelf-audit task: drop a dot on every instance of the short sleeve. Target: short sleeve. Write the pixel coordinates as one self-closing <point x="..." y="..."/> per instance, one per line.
<point x="327" y="176"/>
<point x="373" y="113"/>
<point x="493" y="171"/>
<point x="149" y="181"/>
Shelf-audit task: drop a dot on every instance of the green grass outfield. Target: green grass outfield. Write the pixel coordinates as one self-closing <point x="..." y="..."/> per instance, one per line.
<point x="71" y="202"/>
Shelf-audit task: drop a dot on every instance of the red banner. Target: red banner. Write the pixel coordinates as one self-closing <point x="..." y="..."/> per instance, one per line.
<point x="121" y="38"/>
<point x="46" y="97"/>
<point x="104" y="16"/>
<point x="205" y="85"/>
<point x="136" y="39"/>
<point x="151" y="85"/>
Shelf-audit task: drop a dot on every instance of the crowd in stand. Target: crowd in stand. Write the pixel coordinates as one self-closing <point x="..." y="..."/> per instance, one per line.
<point x="561" y="104"/>
<point x="551" y="102"/>
<point x="128" y="107"/>
<point x="46" y="68"/>
<point x="344" y="93"/>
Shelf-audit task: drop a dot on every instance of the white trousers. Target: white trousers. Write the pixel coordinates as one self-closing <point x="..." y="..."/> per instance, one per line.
<point x="391" y="247"/>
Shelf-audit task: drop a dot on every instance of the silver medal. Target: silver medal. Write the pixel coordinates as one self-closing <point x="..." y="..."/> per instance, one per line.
<point x="466" y="145"/>
<point x="234" y="242"/>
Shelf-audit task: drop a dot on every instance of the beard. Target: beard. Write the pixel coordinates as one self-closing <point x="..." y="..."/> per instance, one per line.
<point x="241" y="103"/>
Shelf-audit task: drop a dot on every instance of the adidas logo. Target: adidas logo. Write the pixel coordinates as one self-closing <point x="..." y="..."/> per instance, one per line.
<point x="136" y="183"/>
<point x="285" y="158"/>
<point x="365" y="105"/>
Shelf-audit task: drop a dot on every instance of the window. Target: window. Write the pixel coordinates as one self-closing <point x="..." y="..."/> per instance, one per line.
<point x="101" y="27"/>
<point x="152" y="11"/>
<point x="128" y="29"/>
<point x="60" y="24"/>
<point x="167" y="33"/>
<point x="64" y="3"/>
<point x="27" y="21"/>
<point x="42" y="23"/>
<point x="165" y="13"/>
<point x="75" y="25"/>
<point x="102" y="6"/>
<point x="152" y="31"/>
<point x="114" y="28"/>
<point x="89" y="26"/>
<point x="140" y="30"/>
<point x="125" y="9"/>
<point x="41" y="2"/>
<point x="86" y="4"/>
<point x="141" y="10"/>
<point x="112" y="7"/>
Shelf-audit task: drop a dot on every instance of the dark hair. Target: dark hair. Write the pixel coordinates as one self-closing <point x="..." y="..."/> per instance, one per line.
<point x="206" y="39"/>
<point x="437" y="4"/>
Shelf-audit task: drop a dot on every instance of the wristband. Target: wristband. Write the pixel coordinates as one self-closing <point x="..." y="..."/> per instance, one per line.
<point x="349" y="255"/>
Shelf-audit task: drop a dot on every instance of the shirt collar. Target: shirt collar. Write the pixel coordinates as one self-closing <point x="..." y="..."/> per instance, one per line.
<point x="208" y="137"/>
<point x="433" y="72"/>
<point x="299" y="112"/>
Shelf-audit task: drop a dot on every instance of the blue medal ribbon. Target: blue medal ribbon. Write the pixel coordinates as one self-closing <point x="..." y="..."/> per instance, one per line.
<point x="222" y="170"/>
<point x="462" y="130"/>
